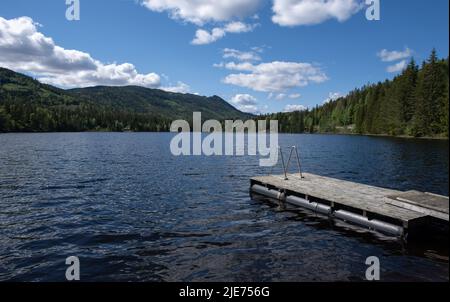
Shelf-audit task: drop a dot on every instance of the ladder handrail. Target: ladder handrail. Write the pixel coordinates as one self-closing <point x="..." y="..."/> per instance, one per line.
<point x="298" y="161"/>
<point x="286" y="166"/>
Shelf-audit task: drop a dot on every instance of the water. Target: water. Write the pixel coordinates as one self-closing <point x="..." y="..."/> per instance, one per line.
<point x="132" y="212"/>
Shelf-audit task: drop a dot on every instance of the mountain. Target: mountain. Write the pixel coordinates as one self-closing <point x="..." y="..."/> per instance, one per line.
<point x="167" y="104"/>
<point x="28" y="105"/>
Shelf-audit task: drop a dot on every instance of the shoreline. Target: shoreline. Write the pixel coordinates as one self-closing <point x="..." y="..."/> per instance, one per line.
<point x="439" y="138"/>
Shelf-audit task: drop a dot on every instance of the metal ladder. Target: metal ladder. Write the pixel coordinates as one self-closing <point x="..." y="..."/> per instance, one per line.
<point x="286" y="166"/>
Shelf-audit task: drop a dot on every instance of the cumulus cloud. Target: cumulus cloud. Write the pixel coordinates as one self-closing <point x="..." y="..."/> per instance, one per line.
<point x="249" y="109"/>
<point x="203" y="36"/>
<point x="309" y="12"/>
<point x="179" y="88"/>
<point x="246" y="103"/>
<point x="23" y="48"/>
<point x="293" y="108"/>
<point x="395" y="55"/>
<point x="244" y="66"/>
<point x="332" y="96"/>
<point x="243" y="99"/>
<point x="229" y="53"/>
<point x="275" y="76"/>
<point x="200" y="12"/>
<point x="400" y="66"/>
<point x="282" y="96"/>
<point x="239" y="27"/>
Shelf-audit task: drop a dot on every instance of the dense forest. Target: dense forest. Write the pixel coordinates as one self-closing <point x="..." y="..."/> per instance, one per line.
<point x="415" y="103"/>
<point x="27" y="105"/>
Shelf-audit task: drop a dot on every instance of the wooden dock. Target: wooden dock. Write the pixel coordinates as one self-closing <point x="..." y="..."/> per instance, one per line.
<point x="389" y="211"/>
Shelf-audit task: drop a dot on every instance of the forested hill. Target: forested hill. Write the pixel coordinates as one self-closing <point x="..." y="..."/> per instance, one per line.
<point x="30" y="106"/>
<point x="415" y="103"/>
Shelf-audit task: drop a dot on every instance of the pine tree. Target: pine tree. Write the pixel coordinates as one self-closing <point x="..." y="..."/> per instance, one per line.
<point x="408" y="87"/>
<point x="431" y="97"/>
<point x="444" y="118"/>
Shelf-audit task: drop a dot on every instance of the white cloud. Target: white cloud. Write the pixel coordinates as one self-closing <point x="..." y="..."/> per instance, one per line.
<point x="332" y="96"/>
<point x="400" y="66"/>
<point x="275" y="76"/>
<point x="246" y="103"/>
<point x="23" y="48"/>
<point x="259" y="49"/>
<point x="200" y="12"/>
<point x="244" y="99"/>
<point x="110" y="75"/>
<point x="280" y="96"/>
<point x="22" y="44"/>
<point x="203" y="36"/>
<point x="249" y="109"/>
<point x="229" y="53"/>
<point x="179" y="88"/>
<point x="245" y="66"/>
<point x="309" y="12"/>
<point x="293" y="108"/>
<point x="239" y="27"/>
<point x="395" y="55"/>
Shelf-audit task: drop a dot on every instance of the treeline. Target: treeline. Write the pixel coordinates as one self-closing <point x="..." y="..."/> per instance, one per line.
<point x="415" y="103"/>
<point x="22" y="117"/>
<point x="26" y="105"/>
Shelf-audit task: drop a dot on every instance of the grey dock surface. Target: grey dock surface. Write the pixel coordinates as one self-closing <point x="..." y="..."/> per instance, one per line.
<point x="404" y="209"/>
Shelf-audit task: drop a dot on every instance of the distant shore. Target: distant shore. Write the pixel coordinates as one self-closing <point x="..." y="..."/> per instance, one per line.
<point x="388" y="136"/>
<point x="317" y="133"/>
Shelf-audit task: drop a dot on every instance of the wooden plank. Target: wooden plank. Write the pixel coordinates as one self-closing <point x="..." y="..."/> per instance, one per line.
<point x="427" y="203"/>
<point x="358" y="196"/>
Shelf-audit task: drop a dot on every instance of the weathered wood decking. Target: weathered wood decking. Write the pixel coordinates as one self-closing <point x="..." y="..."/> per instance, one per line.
<point x="405" y="208"/>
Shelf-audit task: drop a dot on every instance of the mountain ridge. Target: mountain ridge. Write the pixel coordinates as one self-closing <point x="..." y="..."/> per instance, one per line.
<point x="27" y="105"/>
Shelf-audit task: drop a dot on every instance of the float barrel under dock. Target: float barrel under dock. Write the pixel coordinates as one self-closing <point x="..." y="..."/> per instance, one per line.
<point x="389" y="211"/>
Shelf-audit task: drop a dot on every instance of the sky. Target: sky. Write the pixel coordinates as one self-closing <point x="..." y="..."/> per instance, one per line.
<point x="260" y="55"/>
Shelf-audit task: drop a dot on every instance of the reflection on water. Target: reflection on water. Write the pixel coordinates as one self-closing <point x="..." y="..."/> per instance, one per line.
<point x="132" y="212"/>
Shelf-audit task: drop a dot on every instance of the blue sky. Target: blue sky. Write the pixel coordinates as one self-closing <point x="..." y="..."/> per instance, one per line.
<point x="299" y="58"/>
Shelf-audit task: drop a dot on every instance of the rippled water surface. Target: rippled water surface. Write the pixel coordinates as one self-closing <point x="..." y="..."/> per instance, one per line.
<point x="131" y="211"/>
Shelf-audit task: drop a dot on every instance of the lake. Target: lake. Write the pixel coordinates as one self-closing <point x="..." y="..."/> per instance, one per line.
<point x="133" y="212"/>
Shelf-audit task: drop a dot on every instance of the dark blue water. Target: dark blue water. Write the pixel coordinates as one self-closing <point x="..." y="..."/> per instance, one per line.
<point x="132" y="212"/>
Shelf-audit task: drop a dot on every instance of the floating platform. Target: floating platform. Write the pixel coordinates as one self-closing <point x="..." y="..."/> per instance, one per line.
<point x="388" y="211"/>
